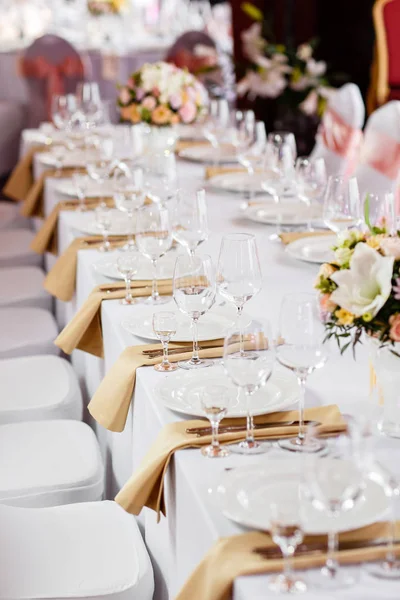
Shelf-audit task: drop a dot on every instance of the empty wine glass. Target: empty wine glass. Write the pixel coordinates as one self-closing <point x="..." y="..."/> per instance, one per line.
<point x="98" y="158"/>
<point x="342" y="206"/>
<point x="194" y="294"/>
<point x="190" y="226"/>
<point x="249" y="357"/>
<point x="164" y="327"/>
<point x="62" y="109"/>
<point x="215" y="401"/>
<point x="216" y="124"/>
<point x="301" y="349"/>
<point x="129" y="196"/>
<point x="380" y="213"/>
<point x="311" y="182"/>
<point x="239" y="273"/>
<point x="81" y="183"/>
<point x="127" y="266"/>
<point x="285" y="510"/>
<point x="88" y="95"/>
<point x="250" y="151"/>
<point x="58" y="152"/>
<point x="280" y="138"/>
<point x="154" y="239"/>
<point x="103" y="221"/>
<point x="162" y="178"/>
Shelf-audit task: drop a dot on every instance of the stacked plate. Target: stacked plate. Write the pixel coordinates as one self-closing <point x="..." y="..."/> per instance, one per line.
<point x="206" y="154"/>
<point x="316" y="249"/>
<point x="107" y="267"/>
<point x="86" y="223"/>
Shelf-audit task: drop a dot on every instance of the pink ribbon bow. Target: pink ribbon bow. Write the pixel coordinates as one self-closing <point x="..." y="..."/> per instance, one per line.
<point x="341" y="138"/>
<point x="382" y="153"/>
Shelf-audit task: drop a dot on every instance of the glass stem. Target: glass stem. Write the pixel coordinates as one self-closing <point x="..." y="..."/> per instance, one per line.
<point x="287" y="563"/>
<point x="154" y="289"/>
<point x="250" y="193"/>
<point x="390" y="554"/>
<point x="195" y="355"/>
<point x="241" y="342"/>
<point x="128" y="296"/>
<point x="214" y="434"/>
<point x="302" y="393"/>
<point x="331" y="562"/>
<point x="165" y="361"/>
<point x="106" y="243"/>
<point x="250" y="423"/>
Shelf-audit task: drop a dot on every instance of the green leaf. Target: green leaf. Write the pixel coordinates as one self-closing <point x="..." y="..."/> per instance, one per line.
<point x="252" y="11"/>
<point x="366" y="212"/>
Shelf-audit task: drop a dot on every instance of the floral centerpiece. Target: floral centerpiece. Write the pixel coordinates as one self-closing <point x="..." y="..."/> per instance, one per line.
<point x="106" y="7"/>
<point x="360" y="289"/>
<point x="161" y="94"/>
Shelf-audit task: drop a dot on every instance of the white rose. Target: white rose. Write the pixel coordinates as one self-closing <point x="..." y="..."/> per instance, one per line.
<point x="366" y="286"/>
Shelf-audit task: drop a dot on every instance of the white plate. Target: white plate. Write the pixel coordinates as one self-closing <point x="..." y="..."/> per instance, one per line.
<point x="240" y="183"/>
<point x="70" y="159"/>
<point x="211" y="326"/>
<point x="95" y="190"/>
<point x="207" y="154"/>
<point x="316" y="249"/>
<point x="243" y="498"/>
<point x="182" y="392"/>
<point x="165" y="267"/>
<point x="86" y="223"/>
<point x="292" y="213"/>
<point x="190" y="132"/>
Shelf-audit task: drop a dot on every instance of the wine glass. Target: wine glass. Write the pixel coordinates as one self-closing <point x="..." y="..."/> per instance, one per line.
<point x="164" y="327"/>
<point x="380" y="213"/>
<point x="190" y="227"/>
<point x="249" y="357"/>
<point x="285" y="510"/>
<point x="62" y="109"/>
<point x="129" y="196"/>
<point x="239" y="273"/>
<point x="300" y="348"/>
<point x="98" y="159"/>
<point x="280" y="138"/>
<point x="81" y="183"/>
<point x="311" y="182"/>
<point x="58" y="152"/>
<point x="250" y="151"/>
<point x="194" y="294"/>
<point x="103" y="221"/>
<point x="154" y="239"/>
<point x="127" y="266"/>
<point x="216" y="125"/>
<point x="215" y="401"/>
<point x="342" y="206"/>
<point x="162" y="178"/>
<point x="88" y="94"/>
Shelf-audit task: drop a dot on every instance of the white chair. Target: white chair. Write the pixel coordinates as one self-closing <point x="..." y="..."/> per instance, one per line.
<point x="10" y="217"/>
<point x="49" y="463"/>
<point x="92" y="550"/>
<point x="26" y="332"/>
<point x="38" y="388"/>
<point x="339" y="139"/>
<point x="12" y="120"/>
<point x="23" y="286"/>
<point x="15" y="249"/>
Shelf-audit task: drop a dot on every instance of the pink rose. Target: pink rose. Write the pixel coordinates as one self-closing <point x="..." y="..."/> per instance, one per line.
<point x="391" y="247"/>
<point x="394" y="332"/>
<point x="149" y="103"/>
<point x="140" y="94"/>
<point x="175" y="101"/>
<point x="131" y="83"/>
<point x="326" y="304"/>
<point x="124" y="95"/>
<point x="188" y="112"/>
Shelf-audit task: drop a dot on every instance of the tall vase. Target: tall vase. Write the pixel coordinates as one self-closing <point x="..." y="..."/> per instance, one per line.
<point x="385" y="382"/>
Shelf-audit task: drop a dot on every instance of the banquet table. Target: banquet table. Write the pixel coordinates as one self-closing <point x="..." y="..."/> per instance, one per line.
<point x="194" y="520"/>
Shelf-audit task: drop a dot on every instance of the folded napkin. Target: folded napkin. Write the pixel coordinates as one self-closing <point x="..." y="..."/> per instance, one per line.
<point x="84" y="331"/>
<point x="110" y="404"/>
<point x="233" y="557"/>
<point x="46" y="238"/>
<point x="183" y="144"/>
<point x="146" y="486"/>
<point x="214" y="171"/>
<point x="292" y="236"/>
<point x="21" y="179"/>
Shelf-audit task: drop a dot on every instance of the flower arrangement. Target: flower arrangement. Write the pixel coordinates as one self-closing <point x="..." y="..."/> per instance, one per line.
<point x="106" y="7"/>
<point x="277" y="71"/>
<point x="360" y="289"/>
<point x="162" y="94"/>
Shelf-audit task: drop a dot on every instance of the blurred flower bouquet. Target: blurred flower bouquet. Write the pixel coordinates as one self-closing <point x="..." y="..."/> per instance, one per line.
<point x="292" y="76"/>
<point x="106" y="7"/>
<point x="360" y="289"/>
<point x="161" y="94"/>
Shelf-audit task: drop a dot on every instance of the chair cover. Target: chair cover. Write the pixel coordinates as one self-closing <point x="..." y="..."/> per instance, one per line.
<point x="15" y="249"/>
<point x="92" y="550"/>
<point x="12" y="122"/>
<point x="339" y="138"/>
<point x="49" y="463"/>
<point x="51" y="65"/>
<point x="38" y="388"/>
<point x="23" y="286"/>
<point x="27" y="332"/>
<point x="182" y="53"/>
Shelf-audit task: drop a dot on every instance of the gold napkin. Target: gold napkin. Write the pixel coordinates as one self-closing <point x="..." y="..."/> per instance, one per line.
<point x="233" y="557"/>
<point x="213" y="171"/>
<point x="46" y="239"/>
<point x="292" y="236"/>
<point x="146" y="486"/>
<point x="183" y="144"/>
<point x="110" y="404"/>
<point x="21" y="179"/>
<point x="84" y="331"/>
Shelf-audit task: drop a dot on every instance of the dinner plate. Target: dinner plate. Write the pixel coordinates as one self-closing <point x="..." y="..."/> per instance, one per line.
<point x="69" y="160"/>
<point x="244" y="491"/>
<point x="182" y="393"/>
<point x="165" y="266"/>
<point x="94" y="190"/>
<point x="207" y="154"/>
<point x="190" y="132"/>
<point x="211" y="326"/>
<point x="86" y="223"/>
<point x="240" y="183"/>
<point x="291" y="213"/>
<point x="316" y="249"/>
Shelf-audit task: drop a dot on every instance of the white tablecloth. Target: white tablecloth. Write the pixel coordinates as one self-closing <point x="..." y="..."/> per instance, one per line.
<point x="194" y="521"/>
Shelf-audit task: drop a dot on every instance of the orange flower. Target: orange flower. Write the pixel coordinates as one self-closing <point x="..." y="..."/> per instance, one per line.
<point x="161" y="115"/>
<point x="175" y="119"/>
<point x="131" y="113"/>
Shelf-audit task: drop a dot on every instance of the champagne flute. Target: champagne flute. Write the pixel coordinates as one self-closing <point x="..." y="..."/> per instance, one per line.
<point x="301" y="349"/>
<point x="164" y="327"/>
<point x="103" y="221"/>
<point x="194" y="294"/>
<point x="249" y="357"/>
<point x="239" y="273"/>
<point x="154" y="239"/>
<point x="190" y="227"/>
<point x="81" y="183"/>
<point x="127" y="266"/>
<point x="215" y="403"/>
<point x="129" y="196"/>
<point x="342" y="206"/>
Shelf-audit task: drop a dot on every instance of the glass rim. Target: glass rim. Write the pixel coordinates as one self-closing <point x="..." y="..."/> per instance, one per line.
<point x="239" y="237"/>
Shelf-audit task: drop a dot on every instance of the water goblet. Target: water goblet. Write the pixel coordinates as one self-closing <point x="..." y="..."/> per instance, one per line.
<point x="164" y="327"/>
<point x="127" y="266"/>
<point x="103" y="221"/>
<point x="81" y="183"/>
<point x="190" y="226"/>
<point x="129" y="196"/>
<point x="194" y="294"/>
<point x="215" y="403"/>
